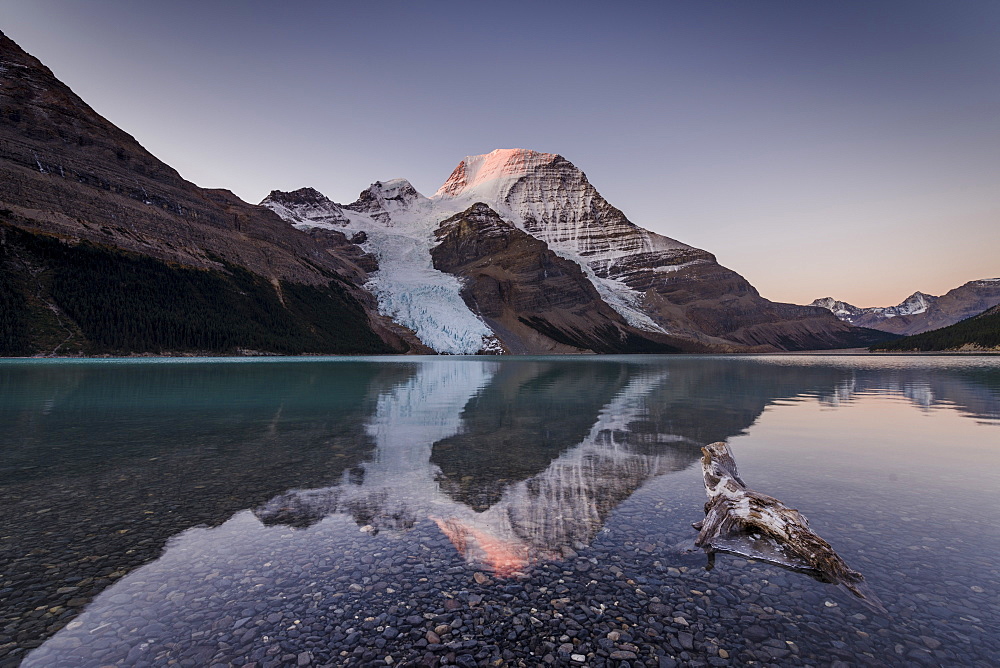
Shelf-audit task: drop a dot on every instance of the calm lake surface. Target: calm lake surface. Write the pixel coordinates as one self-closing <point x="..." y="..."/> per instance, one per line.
<point x="490" y="511"/>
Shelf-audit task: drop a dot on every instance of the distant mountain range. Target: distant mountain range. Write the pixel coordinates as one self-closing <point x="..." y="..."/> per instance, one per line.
<point x="920" y="312"/>
<point x="104" y="249"/>
<point x="980" y="333"/>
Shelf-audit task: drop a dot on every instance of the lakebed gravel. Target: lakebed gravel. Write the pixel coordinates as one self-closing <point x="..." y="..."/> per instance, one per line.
<point x="177" y="518"/>
<point x="336" y="595"/>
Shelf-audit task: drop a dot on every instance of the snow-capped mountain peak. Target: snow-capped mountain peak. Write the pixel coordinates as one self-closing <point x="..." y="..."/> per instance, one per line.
<point x="302" y="196"/>
<point x="647" y="278"/>
<point x="476" y="172"/>
<point x="550" y="198"/>
<point x="305" y="205"/>
<point x="382" y="199"/>
<point x="540" y="193"/>
<point x="918" y="302"/>
<point x="842" y="310"/>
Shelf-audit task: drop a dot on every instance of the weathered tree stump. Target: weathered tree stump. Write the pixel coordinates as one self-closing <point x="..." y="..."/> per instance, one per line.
<point x="739" y="520"/>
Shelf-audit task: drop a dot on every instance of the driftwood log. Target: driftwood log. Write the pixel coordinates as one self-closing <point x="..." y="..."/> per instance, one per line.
<point x="739" y="520"/>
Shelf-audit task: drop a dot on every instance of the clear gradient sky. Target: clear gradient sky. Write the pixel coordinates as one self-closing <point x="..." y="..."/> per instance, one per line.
<point x="820" y="148"/>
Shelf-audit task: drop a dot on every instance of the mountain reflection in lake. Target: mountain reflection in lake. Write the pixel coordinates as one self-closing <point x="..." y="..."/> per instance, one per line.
<point x="355" y="508"/>
<point x="511" y="477"/>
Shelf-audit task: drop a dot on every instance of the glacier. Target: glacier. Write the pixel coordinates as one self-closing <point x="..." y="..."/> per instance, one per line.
<point x="399" y="225"/>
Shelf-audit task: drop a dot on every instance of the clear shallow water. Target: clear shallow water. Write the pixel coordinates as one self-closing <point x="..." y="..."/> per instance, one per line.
<point x="332" y="512"/>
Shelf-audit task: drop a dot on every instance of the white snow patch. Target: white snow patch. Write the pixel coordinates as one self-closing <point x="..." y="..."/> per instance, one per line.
<point x="623" y="299"/>
<point x="667" y="269"/>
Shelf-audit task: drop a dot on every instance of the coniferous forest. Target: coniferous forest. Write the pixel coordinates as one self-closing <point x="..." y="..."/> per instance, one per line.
<point x="62" y="298"/>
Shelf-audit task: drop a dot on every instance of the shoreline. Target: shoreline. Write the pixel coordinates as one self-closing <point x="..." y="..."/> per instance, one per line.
<point x="840" y="352"/>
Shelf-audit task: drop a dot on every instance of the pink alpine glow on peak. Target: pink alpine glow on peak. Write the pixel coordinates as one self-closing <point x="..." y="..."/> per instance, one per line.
<point x="501" y="163"/>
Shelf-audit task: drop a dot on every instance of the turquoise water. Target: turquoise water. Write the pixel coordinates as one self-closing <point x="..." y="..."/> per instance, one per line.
<point x="192" y="510"/>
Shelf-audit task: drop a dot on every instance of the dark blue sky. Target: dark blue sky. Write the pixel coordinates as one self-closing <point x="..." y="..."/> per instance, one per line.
<point x="849" y="149"/>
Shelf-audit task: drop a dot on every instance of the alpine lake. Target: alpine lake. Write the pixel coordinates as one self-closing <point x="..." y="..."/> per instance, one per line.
<point x="484" y="511"/>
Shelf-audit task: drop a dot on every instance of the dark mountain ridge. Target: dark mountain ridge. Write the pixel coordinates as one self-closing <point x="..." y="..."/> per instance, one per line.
<point x="68" y="174"/>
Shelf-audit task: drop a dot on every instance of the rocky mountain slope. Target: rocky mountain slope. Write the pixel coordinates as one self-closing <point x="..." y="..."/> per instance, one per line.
<point x="980" y="333"/>
<point x="920" y="312"/>
<point x="530" y="297"/>
<point x="655" y="286"/>
<point x="73" y="188"/>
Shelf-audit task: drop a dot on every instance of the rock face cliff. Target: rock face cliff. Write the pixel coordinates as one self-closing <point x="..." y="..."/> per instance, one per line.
<point x="921" y="312"/>
<point x="661" y="289"/>
<point x="530" y="297"/>
<point x="67" y="173"/>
